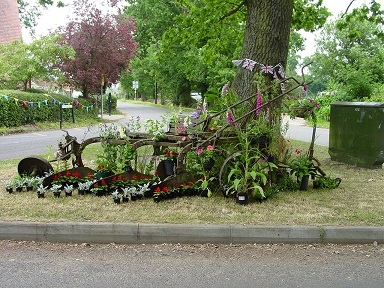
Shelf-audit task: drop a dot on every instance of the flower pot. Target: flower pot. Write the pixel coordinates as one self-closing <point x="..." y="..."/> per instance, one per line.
<point x="68" y="194"/>
<point x="304" y="183"/>
<point x="19" y="189"/>
<point x="169" y="166"/>
<point x="81" y="192"/>
<point x="156" y="199"/>
<point x="125" y="199"/>
<point x="40" y="195"/>
<point x="29" y="188"/>
<point x="207" y="166"/>
<point x="242" y="198"/>
<point x="203" y="193"/>
<point x="133" y="197"/>
<point x="9" y="189"/>
<point x="57" y="194"/>
<point x="116" y="200"/>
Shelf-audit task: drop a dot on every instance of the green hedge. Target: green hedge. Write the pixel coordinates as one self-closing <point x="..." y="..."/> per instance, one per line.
<point x="20" y="108"/>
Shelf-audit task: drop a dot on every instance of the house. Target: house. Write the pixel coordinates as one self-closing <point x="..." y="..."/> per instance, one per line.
<point x="10" y="27"/>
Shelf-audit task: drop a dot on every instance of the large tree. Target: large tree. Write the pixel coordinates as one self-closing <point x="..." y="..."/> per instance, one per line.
<point x="216" y="32"/>
<point x="20" y="62"/>
<point x="350" y="54"/>
<point x="104" y="45"/>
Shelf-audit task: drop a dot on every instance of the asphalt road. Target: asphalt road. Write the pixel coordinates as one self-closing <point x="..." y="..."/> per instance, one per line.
<point x="29" y="264"/>
<point x="26" y="144"/>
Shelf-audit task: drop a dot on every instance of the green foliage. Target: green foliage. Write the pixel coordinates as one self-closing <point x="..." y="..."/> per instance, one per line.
<point x="20" y="62"/>
<point x="350" y="54"/>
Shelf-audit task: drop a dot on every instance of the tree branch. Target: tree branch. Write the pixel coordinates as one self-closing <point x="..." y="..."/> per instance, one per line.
<point x="346" y="11"/>
<point x="233" y="11"/>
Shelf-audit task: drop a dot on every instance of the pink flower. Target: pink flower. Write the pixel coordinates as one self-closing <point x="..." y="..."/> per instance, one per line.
<point x="225" y="89"/>
<point x="199" y="150"/>
<point x="209" y="147"/>
<point x="184" y="138"/>
<point x="259" y="103"/>
<point x="230" y="118"/>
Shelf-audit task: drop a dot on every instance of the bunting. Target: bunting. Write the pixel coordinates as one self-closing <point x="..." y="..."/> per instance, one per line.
<point x="264" y="68"/>
<point x="39" y="104"/>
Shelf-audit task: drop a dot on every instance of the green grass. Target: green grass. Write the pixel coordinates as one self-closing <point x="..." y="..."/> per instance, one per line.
<point x="358" y="201"/>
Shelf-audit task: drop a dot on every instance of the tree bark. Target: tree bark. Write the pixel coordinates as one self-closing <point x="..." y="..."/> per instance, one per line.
<point x="266" y="40"/>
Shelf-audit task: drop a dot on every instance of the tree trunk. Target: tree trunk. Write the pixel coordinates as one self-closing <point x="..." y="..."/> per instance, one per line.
<point x="266" y="40"/>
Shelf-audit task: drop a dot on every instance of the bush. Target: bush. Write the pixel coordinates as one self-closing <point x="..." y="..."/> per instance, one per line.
<point x="21" y="108"/>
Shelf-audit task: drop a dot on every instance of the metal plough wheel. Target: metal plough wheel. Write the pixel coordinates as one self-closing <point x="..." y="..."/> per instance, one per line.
<point x="34" y="166"/>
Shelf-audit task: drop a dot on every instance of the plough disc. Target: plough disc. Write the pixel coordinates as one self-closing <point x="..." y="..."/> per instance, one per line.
<point x="34" y="166"/>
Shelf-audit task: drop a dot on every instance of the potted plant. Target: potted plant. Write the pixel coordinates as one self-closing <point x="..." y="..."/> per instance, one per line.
<point x="116" y="197"/>
<point x="8" y="185"/>
<point x="303" y="108"/>
<point x="68" y="189"/>
<point x="248" y="175"/>
<point x="56" y="190"/>
<point x="326" y="182"/>
<point x="19" y="184"/>
<point x="169" y="161"/>
<point x="84" y="187"/>
<point x="100" y="189"/>
<point x="126" y="194"/>
<point x="41" y="191"/>
<point x="30" y="183"/>
<point x="302" y="167"/>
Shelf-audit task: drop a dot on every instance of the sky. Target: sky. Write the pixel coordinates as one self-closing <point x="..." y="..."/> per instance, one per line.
<point x="56" y="17"/>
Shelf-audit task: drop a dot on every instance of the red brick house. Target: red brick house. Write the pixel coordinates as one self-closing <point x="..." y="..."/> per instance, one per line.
<point x="10" y="28"/>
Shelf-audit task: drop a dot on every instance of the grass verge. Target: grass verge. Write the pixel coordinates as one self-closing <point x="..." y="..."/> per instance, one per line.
<point x="358" y="201"/>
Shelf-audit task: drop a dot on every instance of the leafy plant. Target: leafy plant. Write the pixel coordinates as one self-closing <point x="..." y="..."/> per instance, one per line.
<point x="302" y="165"/>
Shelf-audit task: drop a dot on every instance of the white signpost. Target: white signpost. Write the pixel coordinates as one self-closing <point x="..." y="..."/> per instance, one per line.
<point x="135" y="86"/>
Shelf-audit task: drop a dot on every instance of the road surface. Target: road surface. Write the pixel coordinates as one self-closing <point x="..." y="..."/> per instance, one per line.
<point x="29" y="264"/>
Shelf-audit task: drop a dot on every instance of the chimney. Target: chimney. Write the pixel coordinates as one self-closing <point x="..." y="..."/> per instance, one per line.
<point x="10" y="28"/>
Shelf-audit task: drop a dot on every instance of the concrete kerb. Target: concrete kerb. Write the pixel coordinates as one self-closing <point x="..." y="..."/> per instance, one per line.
<point x="138" y="233"/>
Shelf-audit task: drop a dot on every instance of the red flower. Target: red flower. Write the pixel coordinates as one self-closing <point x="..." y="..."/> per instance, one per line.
<point x="68" y="173"/>
<point x="96" y="185"/>
<point x="103" y="182"/>
<point x="134" y="177"/>
<point x="77" y="174"/>
<point x="165" y="189"/>
<point x="158" y="189"/>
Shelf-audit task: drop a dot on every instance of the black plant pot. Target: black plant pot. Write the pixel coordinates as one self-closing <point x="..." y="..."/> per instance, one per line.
<point x="156" y="199"/>
<point x="242" y="198"/>
<point x="207" y="166"/>
<point x="304" y="183"/>
<point x="9" y="189"/>
<point x="116" y="200"/>
<point x="169" y="166"/>
<point x="40" y="195"/>
<point x="29" y="188"/>
<point x="203" y="193"/>
<point x="68" y="194"/>
<point x="125" y="199"/>
<point x="81" y="192"/>
<point x="134" y="197"/>
<point x="57" y="194"/>
<point x="19" y="189"/>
